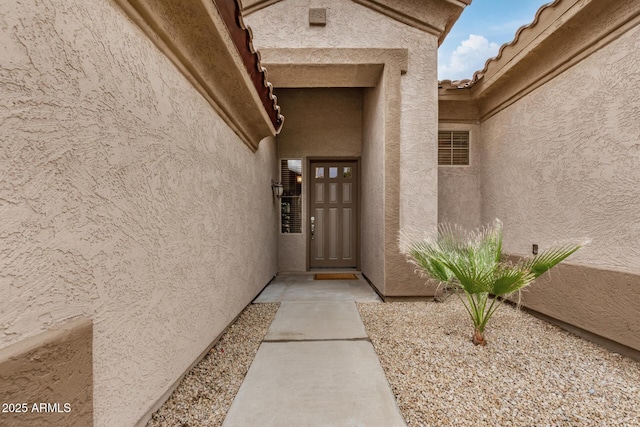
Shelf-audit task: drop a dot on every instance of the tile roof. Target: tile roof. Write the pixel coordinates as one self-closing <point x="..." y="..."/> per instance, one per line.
<point x="231" y="12"/>
<point x="467" y="83"/>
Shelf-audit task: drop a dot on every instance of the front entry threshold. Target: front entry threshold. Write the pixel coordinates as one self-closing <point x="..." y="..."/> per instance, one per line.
<point x="313" y="271"/>
<point x="303" y="287"/>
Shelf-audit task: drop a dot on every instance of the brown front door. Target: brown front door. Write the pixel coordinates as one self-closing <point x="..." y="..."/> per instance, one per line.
<point x="333" y="214"/>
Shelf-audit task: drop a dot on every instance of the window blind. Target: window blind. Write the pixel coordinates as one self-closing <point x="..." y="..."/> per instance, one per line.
<point x="291" y="201"/>
<point x="453" y="148"/>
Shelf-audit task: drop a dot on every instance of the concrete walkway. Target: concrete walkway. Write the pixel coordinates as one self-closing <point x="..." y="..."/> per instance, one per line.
<point x="316" y="365"/>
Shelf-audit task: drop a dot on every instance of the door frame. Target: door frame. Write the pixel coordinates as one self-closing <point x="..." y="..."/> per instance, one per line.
<point x="308" y="183"/>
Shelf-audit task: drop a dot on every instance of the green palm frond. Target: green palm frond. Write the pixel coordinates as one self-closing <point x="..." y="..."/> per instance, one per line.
<point x="428" y="255"/>
<point x="509" y="279"/>
<point x="472" y="274"/>
<point x="472" y="262"/>
<point x="549" y="258"/>
<point x="430" y="261"/>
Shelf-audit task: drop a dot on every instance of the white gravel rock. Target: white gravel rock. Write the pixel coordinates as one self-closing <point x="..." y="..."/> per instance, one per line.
<point x="205" y="394"/>
<point x="531" y="373"/>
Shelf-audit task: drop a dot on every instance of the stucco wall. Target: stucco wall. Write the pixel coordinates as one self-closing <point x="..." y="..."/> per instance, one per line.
<point x="123" y="198"/>
<point x="459" y="196"/>
<point x="321" y="122"/>
<point x="562" y="162"/>
<point x="53" y="368"/>
<point x="372" y="173"/>
<point x="350" y="25"/>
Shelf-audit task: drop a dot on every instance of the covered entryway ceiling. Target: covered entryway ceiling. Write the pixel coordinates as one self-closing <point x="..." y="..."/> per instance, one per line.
<point x="326" y="67"/>
<point x="323" y="75"/>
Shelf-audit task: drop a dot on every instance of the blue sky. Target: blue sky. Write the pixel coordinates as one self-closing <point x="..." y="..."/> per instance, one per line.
<point x="483" y="27"/>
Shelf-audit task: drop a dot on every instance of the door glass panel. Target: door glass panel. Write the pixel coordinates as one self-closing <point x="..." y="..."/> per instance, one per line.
<point x="333" y="172"/>
<point x="319" y="172"/>
<point x="346" y="172"/>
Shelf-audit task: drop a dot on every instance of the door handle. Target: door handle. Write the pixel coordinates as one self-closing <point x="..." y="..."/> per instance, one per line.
<point x="313" y="227"/>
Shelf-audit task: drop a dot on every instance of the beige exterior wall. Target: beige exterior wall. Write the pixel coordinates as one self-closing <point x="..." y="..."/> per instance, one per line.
<point x="373" y="174"/>
<point x="124" y="198"/>
<point x="459" y="197"/>
<point x="560" y="164"/>
<point x="53" y="368"/>
<point x="350" y="25"/>
<point x="602" y="302"/>
<point x="321" y="122"/>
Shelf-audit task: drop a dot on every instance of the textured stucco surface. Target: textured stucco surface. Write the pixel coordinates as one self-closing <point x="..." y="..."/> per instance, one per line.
<point x="350" y="25"/>
<point x="564" y="161"/>
<point x="373" y="174"/>
<point x="603" y="302"/>
<point x="321" y="122"/>
<point x="459" y="195"/>
<point x="123" y="198"/>
<point x="53" y="367"/>
<point x="195" y="36"/>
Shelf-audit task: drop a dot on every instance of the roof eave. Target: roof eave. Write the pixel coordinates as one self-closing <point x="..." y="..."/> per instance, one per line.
<point x="563" y="33"/>
<point x="216" y="57"/>
<point x="432" y="16"/>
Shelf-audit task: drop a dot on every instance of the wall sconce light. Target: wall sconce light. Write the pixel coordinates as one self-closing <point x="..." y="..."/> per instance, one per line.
<point x="277" y="188"/>
<point x="299" y="179"/>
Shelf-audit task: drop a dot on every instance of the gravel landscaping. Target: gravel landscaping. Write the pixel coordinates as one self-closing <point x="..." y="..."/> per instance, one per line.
<point x="530" y="373"/>
<point x="205" y="394"/>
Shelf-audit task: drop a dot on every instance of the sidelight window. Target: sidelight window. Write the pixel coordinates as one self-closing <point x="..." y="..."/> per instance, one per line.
<point x="291" y="201"/>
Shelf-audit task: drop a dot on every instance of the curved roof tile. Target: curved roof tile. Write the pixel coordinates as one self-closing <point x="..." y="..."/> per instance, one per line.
<point x="242" y="36"/>
<point x="466" y="83"/>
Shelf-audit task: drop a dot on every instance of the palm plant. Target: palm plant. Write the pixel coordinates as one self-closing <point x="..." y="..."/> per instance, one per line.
<point x="472" y="261"/>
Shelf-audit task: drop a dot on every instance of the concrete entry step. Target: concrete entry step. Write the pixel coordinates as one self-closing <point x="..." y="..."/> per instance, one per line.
<point x="316" y="321"/>
<point x="320" y="383"/>
<point x="304" y="288"/>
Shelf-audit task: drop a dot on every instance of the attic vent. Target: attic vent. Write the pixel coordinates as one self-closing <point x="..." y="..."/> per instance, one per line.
<point x="453" y="148"/>
<point x="318" y="17"/>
